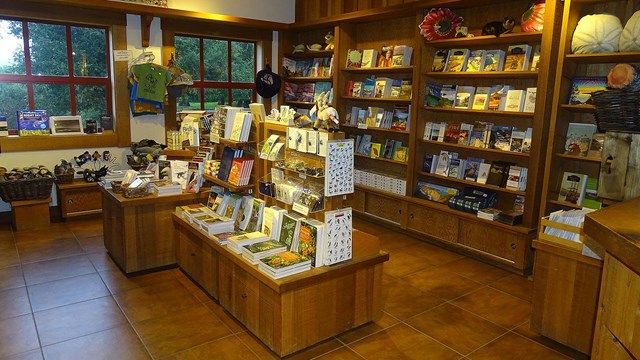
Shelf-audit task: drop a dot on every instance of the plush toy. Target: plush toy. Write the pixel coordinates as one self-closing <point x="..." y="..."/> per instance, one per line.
<point x="598" y="33"/>
<point x="326" y="116"/>
<point x="498" y="28"/>
<point x="462" y="32"/>
<point x="329" y="39"/>
<point x="299" y="48"/>
<point x="314" y="47"/>
<point x="630" y="37"/>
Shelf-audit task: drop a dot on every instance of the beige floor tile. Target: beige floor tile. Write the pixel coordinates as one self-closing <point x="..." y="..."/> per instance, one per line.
<point x="232" y="323"/>
<point x="228" y="348"/>
<point x="476" y="270"/>
<point x="92" y="244"/>
<point x="525" y="330"/>
<point x="402" y="342"/>
<point x="516" y="347"/>
<point x="102" y="261"/>
<point x="314" y="351"/>
<point x="432" y="254"/>
<point x="14" y="302"/>
<point x="155" y="301"/>
<point x="442" y="283"/>
<point x="66" y="291"/>
<point x="86" y="227"/>
<point x="402" y="263"/>
<point x="56" y="269"/>
<point x="181" y="330"/>
<point x="456" y="328"/>
<point x="11" y="277"/>
<point x="118" y="282"/>
<point x="496" y="306"/>
<point x="76" y="320"/>
<point x="343" y="353"/>
<point x="258" y="348"/>
<point x="45" y="249"/>
<point x="373" y="327"/>
<point x="17" y="335"/>
<point x="117" y="343"/>
<point x="515" y="285"/>
<point x="402" y="300"/>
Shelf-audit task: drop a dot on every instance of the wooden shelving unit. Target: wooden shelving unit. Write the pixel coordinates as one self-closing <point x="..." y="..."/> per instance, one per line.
<point x="462" y="112"/>
<point x="478" y="149"/>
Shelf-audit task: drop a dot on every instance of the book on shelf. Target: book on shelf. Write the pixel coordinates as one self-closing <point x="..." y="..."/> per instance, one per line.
<point x="400" y="153"/>
<point x="583" y="86"/>
<point x="515" y="100"/>
<point x="320" y="88"/>
<point x="498" y="96"/>
<point x="387" y="149"/>
<point x="597" y="144"/>
<point x="498" y="173"/>
<point x="386" y="56"/>
<point x="369" y="87"/>
<point x="481" y="98"/>
<point x="311" y="241"/>
<point x="179" y="171"/>
<point x="578" y="139"/>
<point x="348" y="88"/>
<point x="271" y="221"/>
<point x="254" y="252"/>
<point x="244" y="213"/>
<point x="456" y="168"/>
<point x="383" y="88"/>
<point x="448" y="95"/>
<point x="530" y="100"/>
<point x="195" y="170"/>
<point x="354" y="58"/>
<point x="375" y="150"/>
<point x="257" y="213"/>
<point x="284" y="264"/>
<point x="572" y="187"/>
<point x="317" y="67"/>
<point x="396" y="87"/>
<point x="503" y="137"/>
<point x="472" y="168"/>
<point x="440" y="59"/>
<point x="493" y="60"/>
<point x="483" y="173"/>
<point x="433" y="95"/>
<point x="476" y="138"/>
<point x="288" y="67"/>
<point x="489" y="213"/>
<point x="475" y="62"/>
<point x="513" y="178"/>
<point x="237" y="242"/>
<point x="289" y="230"/>
<point x="303" y="67"/>
<point x="457" y="61"/>
<point x="357" y="89"/>
<point x="452" y="133"/>
<point x="465" y="133"/>
<point x="535" y="59"/>
<point x="369" y="58"/>
<point x="428" y="163"/>
<point x="510" y="217"/>
<point x="434" y="192"/>
<point x="526" y="143"/>
<point x="517" y="140"/>
<point x="591" y="199"/>
<point x="444" y="161"/>
<point x="401" y="55"/>
<point x="517" y="58"/>
<point x="401" y="117"/>
<point x="406" y="88"/>
<point x="464" y="97"/>
<point x="305" y="92"/>
<point x="289" y="91"/>
<point x="518" y="203"/>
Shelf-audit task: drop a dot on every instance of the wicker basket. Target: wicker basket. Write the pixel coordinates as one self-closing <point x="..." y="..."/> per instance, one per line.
<point x="64" y="178"/>
<point x="137" y="192"/>
<point x="617" y="109"/>
<point x="26" y="189"/>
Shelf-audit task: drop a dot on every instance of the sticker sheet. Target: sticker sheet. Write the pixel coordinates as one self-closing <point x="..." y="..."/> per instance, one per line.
<point x="338" y="243"/>
<point x="338" y="179"/>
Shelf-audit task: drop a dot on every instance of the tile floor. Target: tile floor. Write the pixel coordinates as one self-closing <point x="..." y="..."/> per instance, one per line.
<point x="61" y="297"/>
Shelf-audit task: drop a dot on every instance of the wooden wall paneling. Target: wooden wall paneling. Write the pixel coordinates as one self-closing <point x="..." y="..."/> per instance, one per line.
<point x="365" y="4"/>
<point x="387" y="208"/>
<point x="350" y="6"/>
<point x="489" y="239"/>
<point x="439" y="225"/>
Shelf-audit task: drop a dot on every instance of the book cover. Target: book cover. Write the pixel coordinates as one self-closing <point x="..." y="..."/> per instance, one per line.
<point x="433" y="95"/>
<point x="271" y="221"/>
<point x="433" y="192"/>
<point x="400" y="118"/>
<point x="401" y="154"/>
<point x="572" y="187"/>
<point x="357" y="89"/>
<point x="591" y="199"/>
<point x="472" y="168"/>
<point x="448" y="95"/>
<point x="401" y="55"/>
<point x="457" y="60"/>
<point x="386" y="56"/>
<point x="583" y="86"/>
<point x="440" y="59"/>
<point x="498" y="96"/>
<point x="368" y="87"/>
<point x="375" y="150"/>
<point x="454" y="168"/>
<point x="406" y="88"/>
<point x="289" y="91"/>
<point x="493" y="60"/>
<point x="535" y="60"/>
<point x="483" y="173"/>
<point x="513" y="177"/>
<point x="179" y="170"/>
<point x="369" y="58"/>
<point x="284" y="261"/>
<point x="289" y="230"/>
<point x="503" y="138"/>
<point x="194" y="176"/>
<point x="452" y="133"/>
<point x="530" y="100"/>
<point x="321" y="87"/>
<point x="428" y="162"/>
<point x="465" y="133"/>
<point x="317" y="67"/>
<point x="383" y="88"/>
<point x="597" y="144"/>
<point x="515" y="100"/>
<point x="305" y="92"/>
<point x="303" y="67"/>
<point x="476" y="139"/>
<point x="498" y="173"/>
<point x="288" y="67"/>
<point x="338" y="245"/>
<point x="257" y="213"/>
<point x="481" y="98"/>
<point x="475" y="62"/>
<point x="517" y="58"/>
<point x="517" y="140"/>
<point x="310" y="244"/>
<point x="464" y="96"/>
<point x="396" y="87"/>
<point x="354" y="58"/>
<point x="34" y="122"/>
<point x="578" y="139"/>
<point x="444" y="161"/>
<point x="526" y="143"/>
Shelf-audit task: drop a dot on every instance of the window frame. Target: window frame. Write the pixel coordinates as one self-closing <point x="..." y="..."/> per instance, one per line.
<point x="115" y="23"/>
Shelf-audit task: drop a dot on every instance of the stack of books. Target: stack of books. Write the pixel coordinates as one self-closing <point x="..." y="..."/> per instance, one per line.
<point x="235" y="243"/>
<point x="510" y="217"/>
<point x="284" y="264"/>
<point x="165" y="187"/>
<point x="489" y="214"/>
<point x="215" y="224"/>
<point x="254" y="252"/>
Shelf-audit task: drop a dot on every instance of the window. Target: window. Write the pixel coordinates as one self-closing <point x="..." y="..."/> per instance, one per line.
<point x="223" y="72"/>
<point x="62" y="68"/>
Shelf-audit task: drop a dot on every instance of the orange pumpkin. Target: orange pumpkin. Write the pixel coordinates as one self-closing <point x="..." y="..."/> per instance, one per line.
<point x="533" y="18"/>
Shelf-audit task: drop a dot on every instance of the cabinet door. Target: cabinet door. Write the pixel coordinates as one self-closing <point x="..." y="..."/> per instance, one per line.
<point x="434" y="223"/>
<point x="189" y="256"/>
<point x="490" y="239"/>
<point x="81" y="201"/>
<point x="210" y="271"/>
<point x="356" y="200"/>
<point x="384" y="207"/>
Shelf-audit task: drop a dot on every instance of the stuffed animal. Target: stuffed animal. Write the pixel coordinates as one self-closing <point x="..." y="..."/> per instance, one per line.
<point x="326" y="116"/>
<point x="299" y="48"/>
<point x="314" y="47"/>
<point x="498" y="28"/>
<point x="462" y="32"/>
<point x="329" y="39"/>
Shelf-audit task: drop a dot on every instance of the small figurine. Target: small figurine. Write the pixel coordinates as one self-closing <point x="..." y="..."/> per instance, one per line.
<point x="329" y="39"/>
<point x="314" y="47"/>
<point x="326" y="115"/>
<point x="498" y="28"/>
<point x="462" y="32"/>
<point x="299" y="48"/>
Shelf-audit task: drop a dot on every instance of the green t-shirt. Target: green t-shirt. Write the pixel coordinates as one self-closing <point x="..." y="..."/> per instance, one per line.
<point x="152" y="81"/>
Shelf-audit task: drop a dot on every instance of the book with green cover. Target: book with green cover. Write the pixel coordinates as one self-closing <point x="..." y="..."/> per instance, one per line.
<point x="263" y="246"/>
<point x="591" y="199"/>
<point x="289" y="230"/>
<point x="285" y="260"/>
<point x="310" y="244"/>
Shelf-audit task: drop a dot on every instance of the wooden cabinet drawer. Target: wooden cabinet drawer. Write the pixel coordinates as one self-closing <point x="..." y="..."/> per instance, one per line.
<point x="190" y="258"/>
<point x="356" y="200"/>
<point x="384" y="207"/>
<point x="76" y="202"/>
<point x="433" y="223"/>
<point x="490" y="239"/>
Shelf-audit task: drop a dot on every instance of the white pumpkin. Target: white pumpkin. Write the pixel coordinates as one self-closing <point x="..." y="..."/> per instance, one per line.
<point x="630" y="37"/>
<point x="599" y="33"/>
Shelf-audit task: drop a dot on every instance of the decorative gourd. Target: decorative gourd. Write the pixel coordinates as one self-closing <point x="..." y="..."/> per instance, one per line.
<point x="598" y="33"/>
<point x="630" y="37"/>
<point x="533" y="19"/>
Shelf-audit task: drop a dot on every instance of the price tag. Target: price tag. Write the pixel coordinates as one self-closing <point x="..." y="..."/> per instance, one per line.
<point x="302" y="209"/>
<point x="122" y="55"/>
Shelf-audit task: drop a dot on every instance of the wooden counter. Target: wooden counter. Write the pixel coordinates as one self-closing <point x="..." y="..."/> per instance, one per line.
<point x="297" y="311"/>
<point x="617" y="331"/>
<point x="139" y="233"/>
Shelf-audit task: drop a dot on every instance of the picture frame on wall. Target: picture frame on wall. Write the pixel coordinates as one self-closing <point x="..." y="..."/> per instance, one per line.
<point x="66" y="125"/>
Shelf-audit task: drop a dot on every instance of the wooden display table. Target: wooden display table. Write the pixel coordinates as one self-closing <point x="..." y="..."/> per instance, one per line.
<point x="30" y="214"/>
<point x="297" y="311"/>
<point x="79" y="198"/>
<point x="139" y="233"/>
<point x="617" y="330"/>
